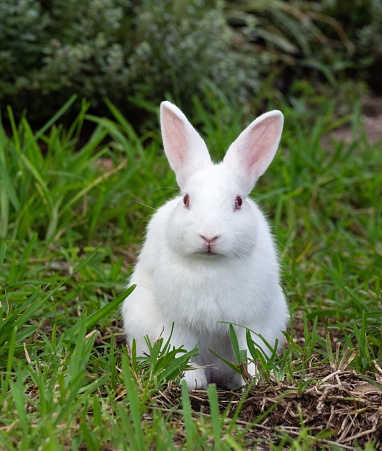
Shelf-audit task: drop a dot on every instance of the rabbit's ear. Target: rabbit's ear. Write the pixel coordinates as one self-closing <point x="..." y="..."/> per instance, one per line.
<point x="253" y="151"/>
<point x="185" y="149"/>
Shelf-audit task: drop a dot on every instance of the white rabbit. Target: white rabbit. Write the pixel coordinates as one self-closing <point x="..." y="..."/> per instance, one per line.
<point x="209" y="255"/>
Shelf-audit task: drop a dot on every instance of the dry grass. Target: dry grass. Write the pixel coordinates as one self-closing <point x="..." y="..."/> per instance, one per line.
<point x="339" y="407"/>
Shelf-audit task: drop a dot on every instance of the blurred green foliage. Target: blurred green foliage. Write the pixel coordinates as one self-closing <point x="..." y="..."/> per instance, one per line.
<point x="149" y="50"/>
<point x="117" y="48"/>
<point x="371" y="33"/>
<point x="334" y="39"/>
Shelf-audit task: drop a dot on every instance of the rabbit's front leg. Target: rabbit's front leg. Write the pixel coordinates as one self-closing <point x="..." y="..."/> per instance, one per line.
<point x="242" y="339"/>
<point x="195" y="378"/>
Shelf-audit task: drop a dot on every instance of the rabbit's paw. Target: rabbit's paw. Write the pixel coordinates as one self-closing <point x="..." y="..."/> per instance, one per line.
<point x="252" y="369"/>
<point x="196" y="379"/>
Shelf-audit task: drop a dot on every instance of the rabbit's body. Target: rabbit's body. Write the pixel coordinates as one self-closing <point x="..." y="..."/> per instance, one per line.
<point x="207" y="259"/>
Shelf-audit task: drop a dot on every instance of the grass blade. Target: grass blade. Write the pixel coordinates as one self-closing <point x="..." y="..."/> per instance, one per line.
<point x="108" y="308"/>
<point x="134" y="407"/>
<point x="215" y="415"/>
<point x="3" y="250"/>
<point x="59" y="113"/>
<point x="187" y="416"/>
<point x="11" y="353"/>
<point x="19" y="397"/>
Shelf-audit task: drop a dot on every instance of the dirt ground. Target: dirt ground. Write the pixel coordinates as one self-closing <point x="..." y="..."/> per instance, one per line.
<point x="340" y="408"/>
<point x="372" y="120"/>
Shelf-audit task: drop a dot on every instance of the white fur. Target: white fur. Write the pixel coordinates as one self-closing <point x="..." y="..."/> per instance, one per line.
<point x="179" y="282"/>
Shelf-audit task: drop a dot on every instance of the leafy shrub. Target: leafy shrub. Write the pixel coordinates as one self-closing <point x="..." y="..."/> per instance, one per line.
<point x="150" y="50"/>
<point x="334" y="39"/>
<point x="51" y="50"/>
<point x="371" y="39"/>
<point x="181" y="43"/>
<point x="371" y="33"/>
<point x="117" y="48"/>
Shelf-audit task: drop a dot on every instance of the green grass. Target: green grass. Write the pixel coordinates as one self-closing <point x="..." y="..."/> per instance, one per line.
<point x="67" y="381"/>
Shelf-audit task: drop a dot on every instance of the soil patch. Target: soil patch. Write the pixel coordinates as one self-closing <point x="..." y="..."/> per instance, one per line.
<point x="339" y="407"/>
<point x="372" y="124"/>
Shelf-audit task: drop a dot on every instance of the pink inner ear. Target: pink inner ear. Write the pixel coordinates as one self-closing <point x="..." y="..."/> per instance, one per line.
<point x="175" y="137"/>
<point x="252" y="152"/>
<point x="261" y="140"/>
<point x="185" y="149"/>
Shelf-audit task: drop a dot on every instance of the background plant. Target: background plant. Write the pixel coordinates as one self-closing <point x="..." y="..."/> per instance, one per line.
<point x="330" y="42"/>
<point x="148" y="50"/>
<point x="98" y="48"/>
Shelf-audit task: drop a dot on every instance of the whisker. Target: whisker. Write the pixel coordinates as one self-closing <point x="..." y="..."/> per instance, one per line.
<point x="141" y="203"/>
<point x="285" y="249"/>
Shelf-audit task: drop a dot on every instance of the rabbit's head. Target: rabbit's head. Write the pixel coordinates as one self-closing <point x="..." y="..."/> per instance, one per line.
<point x="214" y="217"/>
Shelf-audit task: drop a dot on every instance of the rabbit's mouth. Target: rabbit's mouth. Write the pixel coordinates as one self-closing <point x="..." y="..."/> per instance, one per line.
<point x="209" y="253"/>
<point x="209" y="245"/>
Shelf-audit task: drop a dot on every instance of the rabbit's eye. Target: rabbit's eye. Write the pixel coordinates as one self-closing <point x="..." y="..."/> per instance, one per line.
<point x="186" y="201"/>
<point x="238" y="202"/>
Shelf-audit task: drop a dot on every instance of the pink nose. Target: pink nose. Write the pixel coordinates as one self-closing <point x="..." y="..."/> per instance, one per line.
<point x="209" y="240"/>
<point x="209" y="243"/>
